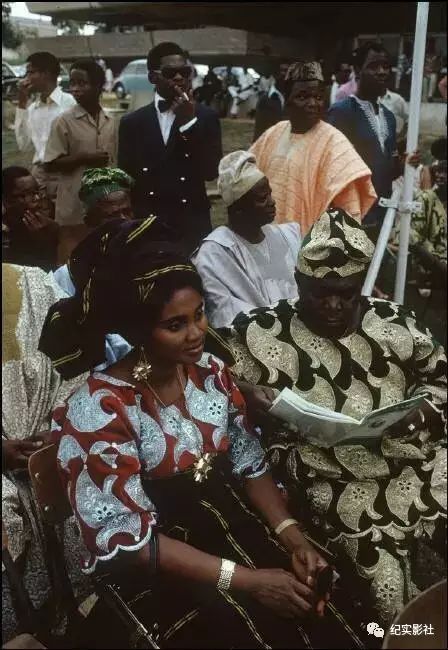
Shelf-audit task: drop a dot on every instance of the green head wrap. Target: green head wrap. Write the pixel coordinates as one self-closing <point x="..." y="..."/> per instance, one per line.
<point x="98" y="183"/>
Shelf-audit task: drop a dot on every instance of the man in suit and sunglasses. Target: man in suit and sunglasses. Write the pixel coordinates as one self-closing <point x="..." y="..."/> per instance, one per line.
<point x="170" y="148"/>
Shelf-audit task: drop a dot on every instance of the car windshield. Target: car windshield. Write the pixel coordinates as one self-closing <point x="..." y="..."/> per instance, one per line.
<point x="7" y="71"/>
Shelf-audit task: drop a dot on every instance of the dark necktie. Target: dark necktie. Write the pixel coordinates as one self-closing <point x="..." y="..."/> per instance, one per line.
<point x="163" y="105"/>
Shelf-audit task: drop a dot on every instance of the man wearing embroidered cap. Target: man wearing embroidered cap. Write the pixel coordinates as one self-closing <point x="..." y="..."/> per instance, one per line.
<point x="353" y="355"/>
<point x="250" y="262"/>
<point x="310" y="165"/>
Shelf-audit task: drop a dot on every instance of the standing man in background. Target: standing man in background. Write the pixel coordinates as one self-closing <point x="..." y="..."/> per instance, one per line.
<point x="171" y="147"/>
<point x="33" y="122"/>
<point x="341" y="77"/>
<point x="370" y="126"/>
<point x="82" y="137"/>
<point x="431" y="70"/>
<point x="311" y="166"/>
<point x="271" y="102"/>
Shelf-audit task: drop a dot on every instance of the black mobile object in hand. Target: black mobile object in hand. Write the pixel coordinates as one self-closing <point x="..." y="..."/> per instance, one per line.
<point x="324" y="581"/>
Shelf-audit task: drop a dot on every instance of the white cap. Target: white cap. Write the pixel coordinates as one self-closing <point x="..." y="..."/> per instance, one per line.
<point x="238" y="173"/>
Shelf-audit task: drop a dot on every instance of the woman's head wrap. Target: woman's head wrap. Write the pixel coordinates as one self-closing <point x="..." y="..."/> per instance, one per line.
<point x="238" y="173"/>
<point x="100" y="182"/>
<point x="336" y="244"/>
<point x="115" y="271"/>
<point x="304" y="71"/>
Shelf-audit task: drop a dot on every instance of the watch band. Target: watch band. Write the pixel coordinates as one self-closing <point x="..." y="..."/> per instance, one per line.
<point x="285" y="524"/>
<point x="225" y="575"/>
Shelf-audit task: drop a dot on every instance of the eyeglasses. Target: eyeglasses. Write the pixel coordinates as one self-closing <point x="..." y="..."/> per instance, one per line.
<point x="170" y="72"/>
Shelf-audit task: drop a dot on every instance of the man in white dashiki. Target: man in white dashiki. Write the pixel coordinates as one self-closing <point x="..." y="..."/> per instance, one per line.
<point x="353" y="355"/>
<point x="250" y="262"/>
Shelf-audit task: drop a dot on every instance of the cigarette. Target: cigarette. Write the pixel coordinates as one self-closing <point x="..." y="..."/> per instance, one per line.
<point x="185" y="96"/>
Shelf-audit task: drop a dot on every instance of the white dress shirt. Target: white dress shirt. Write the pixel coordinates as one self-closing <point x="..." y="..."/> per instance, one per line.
<point x="334" y="91"/>
<point x="274" y="91"/>
<point x="398" y="105"/>
<point x="32" y="124"/>
<point x="166" y="120"/>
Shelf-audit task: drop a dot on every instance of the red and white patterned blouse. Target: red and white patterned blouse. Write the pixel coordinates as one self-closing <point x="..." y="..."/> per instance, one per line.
<point x="110" y="434"/>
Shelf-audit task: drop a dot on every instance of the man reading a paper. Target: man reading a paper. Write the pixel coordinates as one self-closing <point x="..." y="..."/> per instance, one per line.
<point x="353" y="355"/>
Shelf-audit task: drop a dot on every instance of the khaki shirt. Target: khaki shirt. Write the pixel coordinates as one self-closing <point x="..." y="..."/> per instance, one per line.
<point x="74" y="132"/>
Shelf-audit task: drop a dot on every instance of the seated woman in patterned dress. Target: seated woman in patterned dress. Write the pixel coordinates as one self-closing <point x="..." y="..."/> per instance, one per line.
<point x="353" y="355"/>
<point x="164" y="471"/>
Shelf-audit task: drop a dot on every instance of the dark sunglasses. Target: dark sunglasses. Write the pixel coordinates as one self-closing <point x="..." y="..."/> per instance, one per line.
<point x="170" y="72"/>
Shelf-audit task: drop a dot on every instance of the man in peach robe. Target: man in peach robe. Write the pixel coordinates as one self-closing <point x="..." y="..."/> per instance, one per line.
<point x="310" y="165"/>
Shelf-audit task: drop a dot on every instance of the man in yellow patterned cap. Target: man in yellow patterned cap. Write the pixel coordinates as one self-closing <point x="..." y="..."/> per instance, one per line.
<point x="310" y="165"/>
<point x="353" y="355"/>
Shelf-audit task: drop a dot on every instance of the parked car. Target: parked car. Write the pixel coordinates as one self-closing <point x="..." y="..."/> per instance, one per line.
<point x="9" y="82"/>
<point x="133" y="78"/>
<point x="19" y="70"/>
<point x="12" y="75"/>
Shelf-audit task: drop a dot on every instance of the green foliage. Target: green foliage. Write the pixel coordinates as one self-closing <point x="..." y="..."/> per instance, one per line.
<point x="11" y="37"/>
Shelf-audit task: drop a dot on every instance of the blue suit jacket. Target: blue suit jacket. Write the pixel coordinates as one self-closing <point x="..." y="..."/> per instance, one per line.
<point x="170" y="179"/>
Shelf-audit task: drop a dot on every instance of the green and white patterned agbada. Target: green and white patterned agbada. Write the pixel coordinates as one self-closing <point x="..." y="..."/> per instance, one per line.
<point x="336" y="244"/>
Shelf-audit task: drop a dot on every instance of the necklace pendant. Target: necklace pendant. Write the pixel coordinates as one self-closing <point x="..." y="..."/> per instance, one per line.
<point x="202" y="467"/>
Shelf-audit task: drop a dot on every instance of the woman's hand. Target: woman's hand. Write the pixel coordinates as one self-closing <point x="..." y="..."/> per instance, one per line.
<point x="307" y="565"/>
<point x="306" y="562"/>
<point x="281" y="592"/>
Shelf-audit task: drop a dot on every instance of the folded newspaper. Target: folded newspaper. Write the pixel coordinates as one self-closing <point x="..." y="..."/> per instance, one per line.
<point x="326" y="428"/>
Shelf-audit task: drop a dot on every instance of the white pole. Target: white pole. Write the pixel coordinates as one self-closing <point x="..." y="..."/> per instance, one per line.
<point x="418" y="62"/>
<point x="400" y="53"/>
<point x="381" y="244"/>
